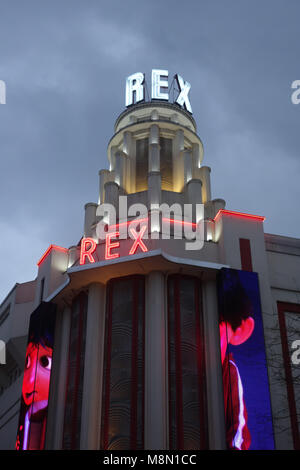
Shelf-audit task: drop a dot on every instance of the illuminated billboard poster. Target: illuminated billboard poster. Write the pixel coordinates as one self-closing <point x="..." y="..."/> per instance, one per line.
<point x="248" y="417"/>
<point x="36" y="380"/>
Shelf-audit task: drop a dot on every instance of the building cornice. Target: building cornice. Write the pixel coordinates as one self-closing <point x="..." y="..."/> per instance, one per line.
<point x="155" y="104"/>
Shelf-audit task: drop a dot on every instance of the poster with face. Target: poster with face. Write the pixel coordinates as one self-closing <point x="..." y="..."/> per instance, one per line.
<point x="36" y="379"/>
<point x="247" y="406"/>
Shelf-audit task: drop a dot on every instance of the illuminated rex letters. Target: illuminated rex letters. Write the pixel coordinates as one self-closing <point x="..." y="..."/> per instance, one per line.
<point x="88" y="246"/>
<point x="158" y="83"/>
<point x="135" y="88"/>
<point x="183" y="98"/>
<point x="134" y="85"/>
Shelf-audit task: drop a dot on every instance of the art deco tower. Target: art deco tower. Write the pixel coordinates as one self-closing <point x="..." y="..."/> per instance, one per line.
<point x="136" y="352"/>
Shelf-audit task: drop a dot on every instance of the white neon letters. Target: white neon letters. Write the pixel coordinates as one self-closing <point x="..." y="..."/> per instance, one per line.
<point x="134" y="84"/>
<point x="183" y="98"/>
<point x="135" y="88"/>
<point x="158" y="83"/>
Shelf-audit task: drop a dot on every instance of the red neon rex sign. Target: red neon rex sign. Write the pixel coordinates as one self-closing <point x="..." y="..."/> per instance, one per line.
<point x="88" y="245"/>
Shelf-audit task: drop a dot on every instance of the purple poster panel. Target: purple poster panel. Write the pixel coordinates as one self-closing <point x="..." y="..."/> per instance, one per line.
<point x="248" y="417"/>
<point x="36" y="380"/>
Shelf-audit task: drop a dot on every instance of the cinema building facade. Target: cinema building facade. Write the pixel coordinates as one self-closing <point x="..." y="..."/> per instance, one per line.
<point x="129" y="332"/>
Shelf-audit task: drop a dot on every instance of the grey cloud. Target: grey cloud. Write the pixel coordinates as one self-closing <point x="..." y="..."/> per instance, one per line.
<point x="65" y="65"/>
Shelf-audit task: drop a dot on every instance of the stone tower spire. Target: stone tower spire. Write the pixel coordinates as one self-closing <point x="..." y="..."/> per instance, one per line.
<point x="155" y="157"/>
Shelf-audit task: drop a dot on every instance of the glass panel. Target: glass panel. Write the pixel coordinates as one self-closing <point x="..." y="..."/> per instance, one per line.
<point x="187" y="419"/>
<point x="190" y="372"/>
<point x="123" y="398"/>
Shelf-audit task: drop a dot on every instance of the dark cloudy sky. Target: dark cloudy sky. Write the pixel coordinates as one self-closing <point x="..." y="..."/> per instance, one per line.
<point x="65" y="64"/>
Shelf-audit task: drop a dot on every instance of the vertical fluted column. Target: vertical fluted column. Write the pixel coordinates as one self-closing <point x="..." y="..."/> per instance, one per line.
<point x="194" y="192"/>
<point x="120" y="169"/>
<point x="215" y="400"/>
<point x="104" y="177"/>
<point x="155" y="364"/>
<point x="154" y="188"/>
<point x="188" y="166"/>
<point x="129" y="151"/>
<point x="89" y="218"/>
<point x="93" y="369"/>
<point x="154" y="178"/>
<point x="178" y="167"/>
<point x="154" y="149"/>
<point x="195" y="158"/>
<point x="113" y="152"/>
<point x="204" y="174"/>
<point x="112" y="192"/>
